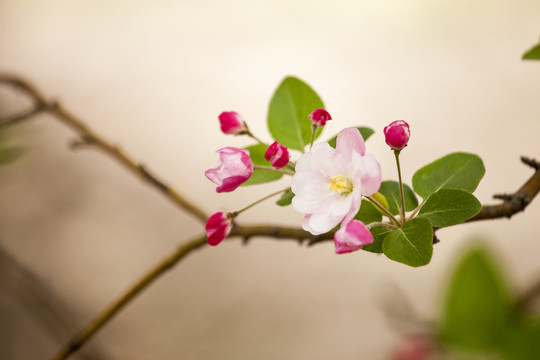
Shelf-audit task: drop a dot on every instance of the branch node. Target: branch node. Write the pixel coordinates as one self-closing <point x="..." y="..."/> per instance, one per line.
<point x="80" y="141"/>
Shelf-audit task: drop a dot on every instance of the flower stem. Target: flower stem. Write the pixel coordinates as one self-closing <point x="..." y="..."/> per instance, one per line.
<point x="313" y="131"/>
<point x="250" y="134"/>
<point x="384" y="210"/>
<point x="402" y="209"/>
<point x="236" y="213"/>
<point x="270" y="168"/>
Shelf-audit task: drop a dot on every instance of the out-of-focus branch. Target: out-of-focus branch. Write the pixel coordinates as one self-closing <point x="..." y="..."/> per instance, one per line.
<point x="38" y="299"/>
<point x="90" y="137"/>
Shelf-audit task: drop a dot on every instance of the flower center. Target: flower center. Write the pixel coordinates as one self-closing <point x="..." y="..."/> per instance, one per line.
<point x="341" y="185"/>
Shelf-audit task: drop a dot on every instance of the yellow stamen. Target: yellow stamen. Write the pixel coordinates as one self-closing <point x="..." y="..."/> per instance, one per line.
<point x="341" y="185"/>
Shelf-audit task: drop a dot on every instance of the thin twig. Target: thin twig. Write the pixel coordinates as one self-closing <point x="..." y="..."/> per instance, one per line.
<point x="90" y="137"/>
<point x="515" y="202"/>
<point x="168" y="263"/>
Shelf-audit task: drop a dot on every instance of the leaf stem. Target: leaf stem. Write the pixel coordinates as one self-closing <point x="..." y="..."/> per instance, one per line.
<point x="417" y="209"/>
<point x="384" y="210"/>
<point x="402" y="209"/>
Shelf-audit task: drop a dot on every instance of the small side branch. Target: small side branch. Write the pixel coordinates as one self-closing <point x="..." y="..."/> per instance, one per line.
<point x="516" y="202"/>
<point x="89" y="137"/>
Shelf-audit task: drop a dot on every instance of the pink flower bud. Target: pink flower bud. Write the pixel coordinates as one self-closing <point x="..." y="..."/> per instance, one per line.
<point x="397" y="134"/>
<point x="351" y="237"/>
<point x="277" y="154"/>
<point x="232" y="170"/>
<point x="232" y="123"/>
<point x="218" y="227"/>
<point x="319" y="117"/>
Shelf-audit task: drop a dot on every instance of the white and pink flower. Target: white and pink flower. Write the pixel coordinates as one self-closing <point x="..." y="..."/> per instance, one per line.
<point x="232" y="170"/>
<point x="329" y="183"/>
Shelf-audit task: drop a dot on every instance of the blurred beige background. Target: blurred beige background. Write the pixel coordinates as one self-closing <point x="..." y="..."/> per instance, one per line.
<point x="152" y="76"/>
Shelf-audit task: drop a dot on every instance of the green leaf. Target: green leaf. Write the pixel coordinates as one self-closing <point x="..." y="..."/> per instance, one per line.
<point x="368" y="213"/>
<point x="453" y="171"/>
<point x="477" y="304"/>
<point x="379" y="233"/>
<point x="533" y="53"/>
<point x="286" y="198"/>
<point x="390" y="189"/>
<point x="412" y="244"/>
<point x="449" y="207"/>
<point x="10" y="154"/>
<point x="288" y="115"/>
<point x="256" y="153"/>
<point x="365" y="131"/>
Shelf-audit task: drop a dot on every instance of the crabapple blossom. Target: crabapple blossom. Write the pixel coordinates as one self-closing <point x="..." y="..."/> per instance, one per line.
<point x="351" y="237"/>
<point x="232" y="123"/>
<point x="397" y="134"/>
<point x="218" y="227"/>
<point x="277" y="154"/>
<point x="319" y="117"/>
<point x="329" y="183"/>
<point x="232" y="170"/>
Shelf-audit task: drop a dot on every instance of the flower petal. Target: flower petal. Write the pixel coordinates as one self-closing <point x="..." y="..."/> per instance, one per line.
<point x="349" y="140"/>
<point x="351" y="237"/>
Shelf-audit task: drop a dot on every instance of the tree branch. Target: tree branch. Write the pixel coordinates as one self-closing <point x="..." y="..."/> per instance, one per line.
<point x="90" y="137"/>
<point x="515" y="202"/>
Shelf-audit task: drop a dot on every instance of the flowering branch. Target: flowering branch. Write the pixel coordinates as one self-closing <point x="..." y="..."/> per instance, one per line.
<point x="511" y="204"/>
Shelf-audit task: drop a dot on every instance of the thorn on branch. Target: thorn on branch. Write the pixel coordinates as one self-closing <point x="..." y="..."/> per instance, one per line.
<point x="81" y="141"/>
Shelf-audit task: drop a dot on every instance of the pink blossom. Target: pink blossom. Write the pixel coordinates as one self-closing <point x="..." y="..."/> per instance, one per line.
<point x="232" y="123"/>
<point x="329" y="183"/>
<point x="397" y="134"/>
<point x="277" y="154"/>
<point x="413" y="348"/>
<point x="319" y="117"/>
<point x="218" y="227"/>
<point x="232" y="170"/>
<point x="351" y="237"/>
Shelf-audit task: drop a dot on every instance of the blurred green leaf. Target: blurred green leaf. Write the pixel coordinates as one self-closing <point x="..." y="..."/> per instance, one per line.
<point x="412" y="244"/>
<point x="10" y="154"/>
<point x="286" y="198"/>
<point x="288" y="114"/>
<point x="390" y="189"/>
<point x="477" y="304"/>
<point x="256" y="153"/>
<point x="449" y="207"/>
<point x="454" y="171"/>
<point x="533" y="53"/>
<point x="365" y="131"/>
